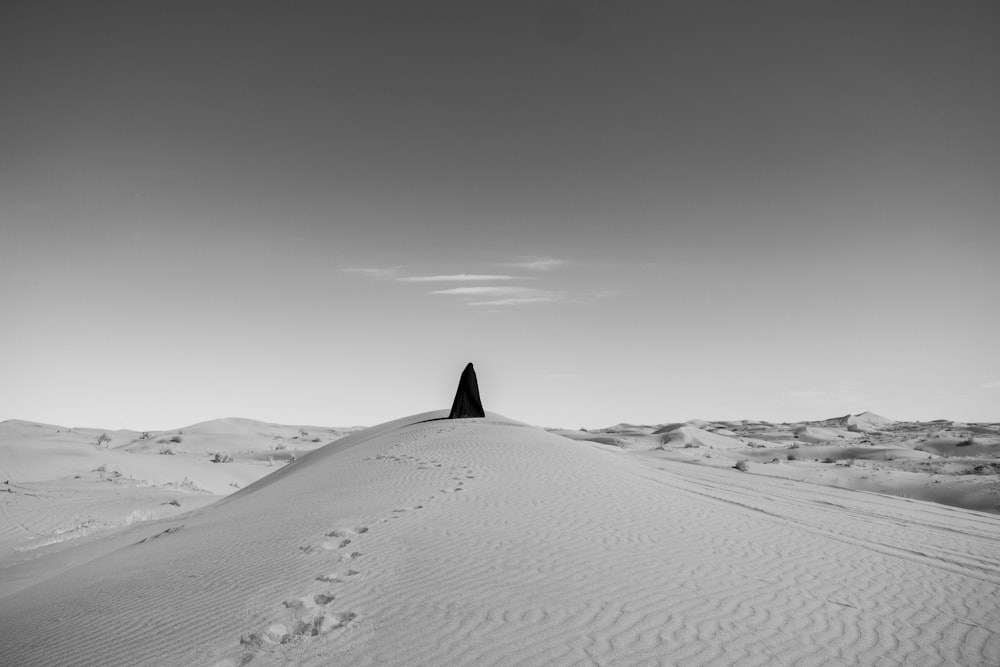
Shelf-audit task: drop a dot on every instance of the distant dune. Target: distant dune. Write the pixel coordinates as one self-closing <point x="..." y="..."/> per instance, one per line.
<point x="484" y="541"/>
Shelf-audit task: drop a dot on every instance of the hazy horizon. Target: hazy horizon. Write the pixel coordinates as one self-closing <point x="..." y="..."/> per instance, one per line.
<point x="640" y="212"/>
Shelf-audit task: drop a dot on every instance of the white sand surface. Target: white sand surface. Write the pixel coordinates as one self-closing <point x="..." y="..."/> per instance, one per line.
<point x="58" y="486"/>
<point x="487" y="542"/>
<point x="942" y="461"/>
<point x="693" y="436"/>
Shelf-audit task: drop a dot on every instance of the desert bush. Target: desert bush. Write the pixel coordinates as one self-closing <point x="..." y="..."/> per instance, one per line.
<point x="220" y="457"/>
<point x="742" y="465"/>
<point x="103" y="440"/>
<point x="173" y="501"/>
<point x="167" y="450"/>
<point x="792" y="457"/>
<point x="829" y="460"/>
<point x="144" y="435"/>
<point x="316" y="440"/>
<point x="794" y="445"/>
<point x="176" y="438"/>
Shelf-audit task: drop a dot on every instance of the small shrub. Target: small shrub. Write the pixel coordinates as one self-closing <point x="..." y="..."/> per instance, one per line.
<point x="176" y="438"/>
<point x="144" y="435"/>
<point x="219" y="457"/>
<point x="742" y="465"/>
<point x="829" y="460"/>
<point x="794" y="445"/>
<point x="173" y="501"/>
<point x="103" y="440"/>
<point x="792" y="457"/>
<point x="316" y="440"/>
<point x="167" y="450"/>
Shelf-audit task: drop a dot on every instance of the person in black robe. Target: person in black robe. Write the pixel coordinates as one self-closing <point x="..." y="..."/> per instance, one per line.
<point x="467" y="402"/>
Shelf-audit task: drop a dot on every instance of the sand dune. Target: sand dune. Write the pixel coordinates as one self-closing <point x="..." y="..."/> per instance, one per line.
<point x="487" y="542"/>
<point x="59" y="485"/>
<point x="693" y="436"/>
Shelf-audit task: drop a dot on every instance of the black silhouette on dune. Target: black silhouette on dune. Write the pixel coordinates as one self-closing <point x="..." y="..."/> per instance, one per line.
<point x="467" y="402"/>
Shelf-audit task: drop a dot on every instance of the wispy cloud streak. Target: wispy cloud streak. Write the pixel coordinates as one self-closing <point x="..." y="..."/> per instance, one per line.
<point x="499" y="295"/>
<point x="481" y="295"/>
<point x="373" y="272"/>
<point x="457" y="278"/>
<point x="479" y="290"/>
<point x="536" y="263"/>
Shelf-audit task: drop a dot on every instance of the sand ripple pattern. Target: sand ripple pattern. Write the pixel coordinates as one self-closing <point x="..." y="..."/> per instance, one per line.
<point x="490" y="543"/>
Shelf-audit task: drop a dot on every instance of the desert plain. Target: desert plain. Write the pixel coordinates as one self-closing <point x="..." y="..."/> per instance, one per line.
<point x="856" y="540"/>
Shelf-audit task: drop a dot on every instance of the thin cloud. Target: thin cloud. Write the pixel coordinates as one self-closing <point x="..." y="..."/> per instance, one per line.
<point x="480" y="290"/>
<point x="479" y="295"/>
<point x="537" y="263"/>
<point x="517" y="301"/>
<point x="992" y="384"/>
<point x="373" y="272"/>
<point x="502" y="295"/>
<point x="456" y="278"/>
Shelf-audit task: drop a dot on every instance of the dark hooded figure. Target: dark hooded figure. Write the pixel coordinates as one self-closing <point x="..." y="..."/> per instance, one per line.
<point x="467" y="402"/>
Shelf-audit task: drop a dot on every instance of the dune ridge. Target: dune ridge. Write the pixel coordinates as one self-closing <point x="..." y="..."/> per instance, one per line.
<point x="488" y="542"/>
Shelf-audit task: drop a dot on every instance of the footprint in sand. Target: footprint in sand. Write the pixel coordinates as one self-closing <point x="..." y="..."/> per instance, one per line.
<point x="347" y="532"/>
<point x="400" y="510"/>
<point x="330" y="545"/>
<point x="311" y="626"/>
<point x="337" y="577"/>
<point x="342" y="537"/>
<point x="308" y="602"/>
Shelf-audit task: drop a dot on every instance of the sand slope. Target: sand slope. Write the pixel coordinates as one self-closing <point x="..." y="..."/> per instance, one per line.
<point x="486" y="542"/>
<point x="942" y="461"/>
<point x="58" y="486"/>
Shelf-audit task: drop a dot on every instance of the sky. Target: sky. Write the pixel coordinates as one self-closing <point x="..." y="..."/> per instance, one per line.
<point x="318" y="212"/>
